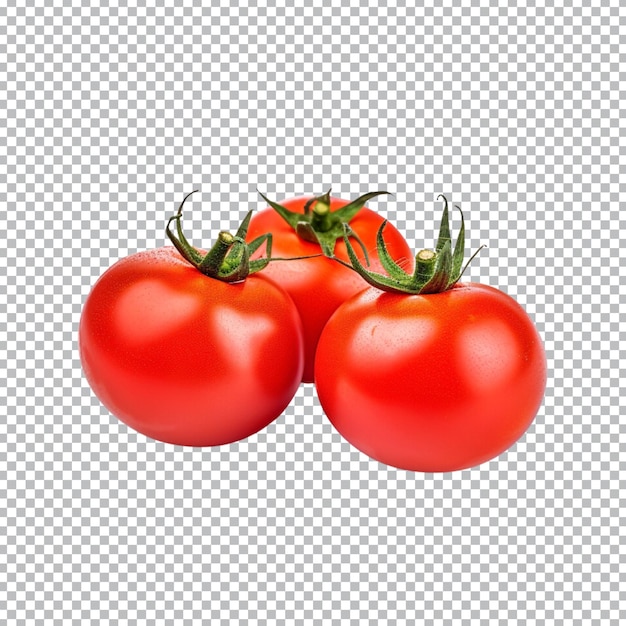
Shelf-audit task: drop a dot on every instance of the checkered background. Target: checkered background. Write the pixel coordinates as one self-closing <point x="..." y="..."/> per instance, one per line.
<point x="111" y="113"/>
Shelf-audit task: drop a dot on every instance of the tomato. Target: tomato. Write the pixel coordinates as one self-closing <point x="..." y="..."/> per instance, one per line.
<point x="319" y="285"/>
<point x="186" y="358"/>
<point x="424" y="373"/>
<point x="431" y="383"/>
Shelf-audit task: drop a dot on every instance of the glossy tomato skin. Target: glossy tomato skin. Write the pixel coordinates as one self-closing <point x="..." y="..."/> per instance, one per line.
<point x="187" y="359"/>
<point x="431" y="383"/>
<point x="319" y="285"/>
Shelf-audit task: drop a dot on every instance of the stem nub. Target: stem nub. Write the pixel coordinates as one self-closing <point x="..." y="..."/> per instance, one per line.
<point x="425" y="261"/>
<point x="321" y="218"/>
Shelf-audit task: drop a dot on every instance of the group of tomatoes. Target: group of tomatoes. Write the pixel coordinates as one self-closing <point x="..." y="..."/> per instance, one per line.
<point x="414" y="368"/>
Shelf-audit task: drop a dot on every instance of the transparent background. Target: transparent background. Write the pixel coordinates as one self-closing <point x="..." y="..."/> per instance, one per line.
<point x="111" y="112"/>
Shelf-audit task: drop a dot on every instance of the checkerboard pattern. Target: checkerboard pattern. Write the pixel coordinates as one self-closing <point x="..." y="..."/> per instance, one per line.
<point x="111" y="112"/>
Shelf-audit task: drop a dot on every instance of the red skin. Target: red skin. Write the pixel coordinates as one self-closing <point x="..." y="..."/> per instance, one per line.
<point x="431" y="383"/>
<point x="319" y="285"/>
<point x="187" y="359"/>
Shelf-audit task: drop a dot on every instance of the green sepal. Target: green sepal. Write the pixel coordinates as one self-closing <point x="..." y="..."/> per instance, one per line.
<point x="182" y="245"/>
<point x="444" y="226"/>
<point x="290" y="217"/>
<point x="386" y="260"/>
<point x="442" y="274"/>
<point x="347" y="212"/>
<point x="229" y="259"/>
<point x="435" y="270"/>
<point x="386" y="283"/>
<point x="236" y="264"/>
<point x="317" y="224"/>
<point x="459" y="250"/>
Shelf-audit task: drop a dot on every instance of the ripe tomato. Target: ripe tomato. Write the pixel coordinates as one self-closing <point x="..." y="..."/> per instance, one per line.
<point x="431" y="383"/>
<point x="425" y="373"/>
<point x="319" y="285"/>
<point x="185" y="358"/>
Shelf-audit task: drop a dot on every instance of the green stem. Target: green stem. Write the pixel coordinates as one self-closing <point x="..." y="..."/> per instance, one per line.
<point x="425" y="262"/>
<point x="321" y="219"/>
<point x="214" y="258"/>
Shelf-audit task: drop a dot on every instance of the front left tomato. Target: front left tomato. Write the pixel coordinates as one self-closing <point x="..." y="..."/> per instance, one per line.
<point x="185" y="358"/>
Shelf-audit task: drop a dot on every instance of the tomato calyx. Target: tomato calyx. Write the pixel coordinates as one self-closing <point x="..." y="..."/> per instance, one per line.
<point x="318" y="224"/>
<point x="435" y="270"/>
<point x="229" y="259"/>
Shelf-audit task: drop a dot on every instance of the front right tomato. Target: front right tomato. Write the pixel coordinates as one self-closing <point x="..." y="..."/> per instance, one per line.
<point x="424" y="373"/>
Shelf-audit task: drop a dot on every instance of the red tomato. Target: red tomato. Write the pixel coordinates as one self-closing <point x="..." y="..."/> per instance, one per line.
<point x="431" y="383"/>
<point x="188" y="359"/>
<point x="319" y="285"/>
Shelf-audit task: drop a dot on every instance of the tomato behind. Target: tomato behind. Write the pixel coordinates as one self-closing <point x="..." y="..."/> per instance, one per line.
<point x="431" y="383"/>
<point x="319" y="285"/>
<point x="187" y="359"/>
